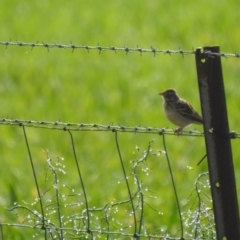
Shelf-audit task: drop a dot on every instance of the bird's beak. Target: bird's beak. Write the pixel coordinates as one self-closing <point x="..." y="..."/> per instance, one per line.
<point x="161" y="94"/>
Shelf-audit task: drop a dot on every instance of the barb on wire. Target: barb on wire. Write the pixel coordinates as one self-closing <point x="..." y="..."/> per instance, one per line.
<point x="125" y="49"/>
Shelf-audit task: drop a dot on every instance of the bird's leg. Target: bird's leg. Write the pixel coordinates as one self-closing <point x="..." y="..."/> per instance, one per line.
<point x="178" y="130"/>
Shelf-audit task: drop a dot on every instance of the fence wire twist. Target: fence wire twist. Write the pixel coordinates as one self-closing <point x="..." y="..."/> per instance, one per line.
<point x="125" y="49"/>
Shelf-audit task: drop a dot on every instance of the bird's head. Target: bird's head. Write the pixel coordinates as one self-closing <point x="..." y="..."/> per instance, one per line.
<point x="169" y="95"/>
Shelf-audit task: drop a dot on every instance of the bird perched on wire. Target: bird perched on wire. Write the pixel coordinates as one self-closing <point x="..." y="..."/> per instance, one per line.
<point x="178" y="110"/>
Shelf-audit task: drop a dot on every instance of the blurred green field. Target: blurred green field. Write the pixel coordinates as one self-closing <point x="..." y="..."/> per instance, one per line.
<point x="108" y="88"/>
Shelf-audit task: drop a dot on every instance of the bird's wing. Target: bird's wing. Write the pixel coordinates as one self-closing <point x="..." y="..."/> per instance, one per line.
<point x="187" y="111"/>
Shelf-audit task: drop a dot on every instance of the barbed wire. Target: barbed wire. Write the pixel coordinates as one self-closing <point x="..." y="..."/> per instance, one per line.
<point x="125" y="49"/>
<point x="63" y="126"/>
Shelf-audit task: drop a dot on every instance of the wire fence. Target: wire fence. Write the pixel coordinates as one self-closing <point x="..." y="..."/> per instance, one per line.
<point x="61" y="212"/>
<point x="115" y="49"/>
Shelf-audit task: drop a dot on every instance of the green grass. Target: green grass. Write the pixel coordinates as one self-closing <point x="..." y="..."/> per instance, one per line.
<point x="107" y="88"/>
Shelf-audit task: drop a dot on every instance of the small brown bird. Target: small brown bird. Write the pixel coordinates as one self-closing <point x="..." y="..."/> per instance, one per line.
<point x="179" y="111"/>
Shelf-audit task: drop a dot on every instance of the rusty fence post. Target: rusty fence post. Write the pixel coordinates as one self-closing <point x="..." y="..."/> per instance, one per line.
<point x="218" y="145"/>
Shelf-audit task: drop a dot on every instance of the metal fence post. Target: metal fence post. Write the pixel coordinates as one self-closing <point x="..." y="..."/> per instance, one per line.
<point x="218" y="145"/>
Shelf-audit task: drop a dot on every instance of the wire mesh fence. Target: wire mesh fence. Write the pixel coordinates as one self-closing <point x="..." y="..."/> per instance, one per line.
<point x="60" y="211"/>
